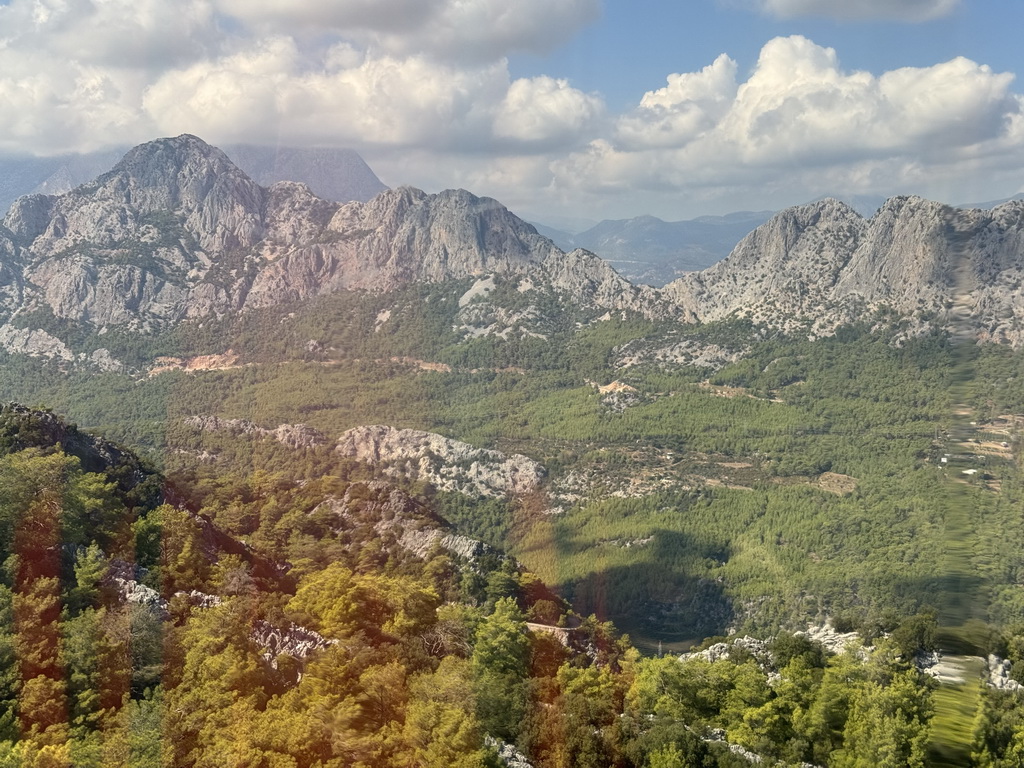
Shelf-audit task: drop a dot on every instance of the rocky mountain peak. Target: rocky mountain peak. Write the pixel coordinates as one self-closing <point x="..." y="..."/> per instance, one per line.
<point x="783" y="268"/>
<point x="219" y="204"/>
<point x="820" y="265"/>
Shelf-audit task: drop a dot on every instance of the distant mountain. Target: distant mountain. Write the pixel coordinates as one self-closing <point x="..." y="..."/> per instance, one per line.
<point x="820" y="265"/>
<point x="340" y="175"/>
<point x="51" y="175"/>
<point x="564" y="240"/>
<point x="176" y="230"/>
<point x="648" y="250"/>
<point x="989" y="205"/>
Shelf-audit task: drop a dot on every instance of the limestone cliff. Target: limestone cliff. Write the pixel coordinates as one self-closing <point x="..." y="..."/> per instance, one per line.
<point x="820" y="265"/>
<point x="448" y="464"/>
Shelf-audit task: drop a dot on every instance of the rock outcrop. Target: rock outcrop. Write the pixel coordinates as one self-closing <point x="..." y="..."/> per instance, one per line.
<point x="292" y="435"/>
<point x="22" y="427"/>
<point x="295" y="641"/>
<point x="999" y="674"/>
<point x="449" y="465"/>
<point x="817" y="266"/>
<point x="391" y="512"/>
<point x="584" y="278"/>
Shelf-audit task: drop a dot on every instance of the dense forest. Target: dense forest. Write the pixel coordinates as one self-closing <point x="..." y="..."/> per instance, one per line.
<point x="231" y="598"/>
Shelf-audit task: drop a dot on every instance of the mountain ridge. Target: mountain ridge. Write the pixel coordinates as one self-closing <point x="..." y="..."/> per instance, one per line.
<point x="177" y="231"/>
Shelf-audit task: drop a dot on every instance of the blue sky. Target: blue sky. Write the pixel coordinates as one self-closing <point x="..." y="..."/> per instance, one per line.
<point x="633" y="45"/>
<point x="561" y="109"/>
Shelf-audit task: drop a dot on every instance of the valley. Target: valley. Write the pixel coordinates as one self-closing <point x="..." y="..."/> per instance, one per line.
<point x="489" y="482"/>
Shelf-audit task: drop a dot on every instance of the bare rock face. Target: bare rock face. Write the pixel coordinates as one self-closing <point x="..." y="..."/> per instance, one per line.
<point x="297" y="436"/>
<point x="448" y="464"/>
<point x="128" y="248"/>
<point x="584" y="277"/>
<point x="34" y="343"/>
<point x="295" y="641"/>
<point x="784" y="270"/>
<point x="400" y="236"/>
<point x="30" y="216"/>
<point x="820" y="265"/>
<point x="421" y="541"/>
<point x="11" y="278"/>
<point x="990" y="299"/>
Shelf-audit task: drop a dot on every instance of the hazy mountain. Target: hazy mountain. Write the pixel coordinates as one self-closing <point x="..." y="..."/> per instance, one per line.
<point x="992" y="203"/>
<point x="563" y="239"/>
<point x="647" y="250"/>
<point x="51" y="175"/>
<point x="340" y="175"/>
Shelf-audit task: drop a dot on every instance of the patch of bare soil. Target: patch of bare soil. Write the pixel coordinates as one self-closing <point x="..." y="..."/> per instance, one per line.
<point x="220" y="362"/>
<point x="833" y="482"/>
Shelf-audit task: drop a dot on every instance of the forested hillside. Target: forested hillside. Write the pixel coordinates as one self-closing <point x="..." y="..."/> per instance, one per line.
<point x="417" y="488"/>
<point x="803" y="483"/>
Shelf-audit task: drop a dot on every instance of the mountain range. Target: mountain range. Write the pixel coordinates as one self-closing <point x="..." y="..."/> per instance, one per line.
<point x="402" y="459"/>
<point x="176" y="231"/>
<point x="333" y="174"/>
<point x="648" y="250"/>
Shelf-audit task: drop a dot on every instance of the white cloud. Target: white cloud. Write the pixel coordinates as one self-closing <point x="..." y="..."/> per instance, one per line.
<point x="543" y="110"/>
<point x="145" y="34"/>
<point x="800" y="105"/>
<point x="423" y="89"/>
<point x="802" y="123"/>
<point x="223" y="98"/>
<point x="296" y="15"/>
<point x="903" y="10"/>
<point x="54" y="105"/>
<point x="406" y="73"/>
<point x="450" y="30"/>
<point x="690" y="104"/>
<point x="265" y="93"/>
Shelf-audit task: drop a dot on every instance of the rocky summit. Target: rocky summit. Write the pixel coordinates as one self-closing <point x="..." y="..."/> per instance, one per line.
<point x="176" y="231"/>
<point x="822" y="265"/>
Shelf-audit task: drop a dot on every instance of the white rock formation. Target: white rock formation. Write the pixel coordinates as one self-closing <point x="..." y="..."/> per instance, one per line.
<point x="448" y="464"/>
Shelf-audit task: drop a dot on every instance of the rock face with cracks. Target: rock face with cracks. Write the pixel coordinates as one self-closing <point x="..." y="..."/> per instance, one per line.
<point x="820" y="265"/>
<point x="449" y="465"/>
<point x="176" y="230"/>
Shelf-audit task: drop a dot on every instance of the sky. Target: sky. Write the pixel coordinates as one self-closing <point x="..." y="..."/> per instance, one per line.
<point x="567" y="111"/>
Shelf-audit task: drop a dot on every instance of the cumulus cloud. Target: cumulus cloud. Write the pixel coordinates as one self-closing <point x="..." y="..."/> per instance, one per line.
<point x="364" y="100"/>
<point x="800" y="105"/>
<point x="543" y="110"/>
<point x="423" y="89"/>
<point x="424" y="74"/>
<point x="146" y="34"/>
<point x="800" y="120"/>
<point x="690" y="104"/>
<point x="72" y="75"/>
<point x="902" y="10"/>
<point x="450" y="30"/>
